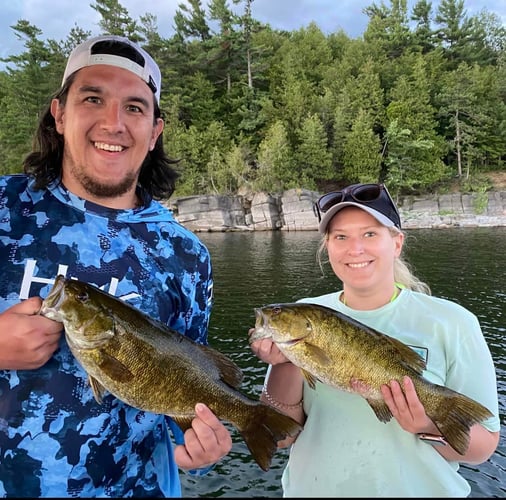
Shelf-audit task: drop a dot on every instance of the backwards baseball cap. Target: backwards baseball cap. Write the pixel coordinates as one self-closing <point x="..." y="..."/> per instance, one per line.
<point x="117" y="51"/>
<point x="372" y="198"/>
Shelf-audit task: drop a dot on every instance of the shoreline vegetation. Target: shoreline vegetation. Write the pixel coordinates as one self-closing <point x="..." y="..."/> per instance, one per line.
<point x="416" y="100"/>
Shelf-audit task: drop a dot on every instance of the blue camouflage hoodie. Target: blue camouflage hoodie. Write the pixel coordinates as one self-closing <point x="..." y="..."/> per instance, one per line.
<point x="55" y="439"/>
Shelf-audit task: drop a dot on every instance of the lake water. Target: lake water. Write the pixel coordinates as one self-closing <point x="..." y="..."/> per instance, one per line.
<point x="253" y="269"/>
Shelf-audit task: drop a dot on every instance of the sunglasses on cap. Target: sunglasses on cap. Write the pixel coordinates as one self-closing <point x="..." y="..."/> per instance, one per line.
<point x="372" y="196"/>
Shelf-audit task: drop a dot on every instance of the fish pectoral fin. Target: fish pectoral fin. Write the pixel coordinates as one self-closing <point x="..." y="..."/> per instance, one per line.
<point x="114" y="368"/>
<point x="183" y="422"/>
<point x="310" y="378"/>
<point x="229" y="372"/>
<point x="318" y="354"/>
<point x="98" y="389"/>
<point x="381" y="409"/>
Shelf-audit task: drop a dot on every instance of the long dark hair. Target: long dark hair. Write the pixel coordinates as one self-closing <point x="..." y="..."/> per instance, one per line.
<point x="157" y="177"/>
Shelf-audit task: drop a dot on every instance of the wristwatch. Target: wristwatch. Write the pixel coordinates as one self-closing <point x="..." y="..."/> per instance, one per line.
<point x="433" y="439"/>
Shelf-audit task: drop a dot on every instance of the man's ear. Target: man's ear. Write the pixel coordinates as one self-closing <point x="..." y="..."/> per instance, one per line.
<point x="157" y="130"/>
<point x="57" y="112"/>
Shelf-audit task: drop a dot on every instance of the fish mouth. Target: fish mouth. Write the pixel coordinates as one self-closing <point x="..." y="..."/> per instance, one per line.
<point x="260" y="331"/>
<point x="264" y="331"/>
<point x="290" y="342"/>
<point x="257" y="333"/>
<point x="51" y="304"/>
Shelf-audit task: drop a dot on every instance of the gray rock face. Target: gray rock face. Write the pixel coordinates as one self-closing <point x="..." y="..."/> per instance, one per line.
<point x="293" y="211"/>
<point x="210" y="213"/>
<point x="455" y="210"/>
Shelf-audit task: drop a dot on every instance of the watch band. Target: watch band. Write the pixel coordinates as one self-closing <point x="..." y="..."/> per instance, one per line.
<point x="433" y="439"/>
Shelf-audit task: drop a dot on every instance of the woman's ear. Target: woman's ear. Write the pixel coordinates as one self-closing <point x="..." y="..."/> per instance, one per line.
<point x="398" y="242"/>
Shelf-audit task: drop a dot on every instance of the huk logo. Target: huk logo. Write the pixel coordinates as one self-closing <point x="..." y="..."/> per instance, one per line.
<point x="29" y="278"/>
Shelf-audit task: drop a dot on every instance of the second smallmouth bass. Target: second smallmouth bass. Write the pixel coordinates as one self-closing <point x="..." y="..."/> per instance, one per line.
<point x="151" y="367"/>
<point x="335" y="349"/>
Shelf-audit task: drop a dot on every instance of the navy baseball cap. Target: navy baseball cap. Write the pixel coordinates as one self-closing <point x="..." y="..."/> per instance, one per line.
<point x="372" y="198"/>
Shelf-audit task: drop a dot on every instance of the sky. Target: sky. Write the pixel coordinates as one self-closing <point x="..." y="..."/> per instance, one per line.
<point x="55" y="18"/>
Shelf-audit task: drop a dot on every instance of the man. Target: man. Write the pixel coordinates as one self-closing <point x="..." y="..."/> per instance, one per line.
<point x="86" y="208"/>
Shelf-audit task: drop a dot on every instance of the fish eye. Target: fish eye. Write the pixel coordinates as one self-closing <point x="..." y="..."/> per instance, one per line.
<point x="83" y="297"/>
<point x="276" y="310"/>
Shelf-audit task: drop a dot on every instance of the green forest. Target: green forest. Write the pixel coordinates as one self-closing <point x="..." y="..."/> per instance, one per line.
<point x="418" y="101"/>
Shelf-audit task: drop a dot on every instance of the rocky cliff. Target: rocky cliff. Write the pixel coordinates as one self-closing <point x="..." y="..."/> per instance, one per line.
<point x="293" y="211"/>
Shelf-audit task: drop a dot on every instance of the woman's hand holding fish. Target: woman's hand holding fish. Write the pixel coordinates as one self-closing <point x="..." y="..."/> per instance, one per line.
<point x="283" y="389"/>
<point x="266" y="350"/>
<point x="407" y="408"/>
<point x="28" y="339"/>
<point x="205" y="442"/>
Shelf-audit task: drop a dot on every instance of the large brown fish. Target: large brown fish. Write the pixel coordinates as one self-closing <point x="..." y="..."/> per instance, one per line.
<point x="154" y="368"/>
<point x="337" y="350"/>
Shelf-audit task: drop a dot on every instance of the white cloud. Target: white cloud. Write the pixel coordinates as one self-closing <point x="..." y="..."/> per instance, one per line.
<point x="55" y="18"/>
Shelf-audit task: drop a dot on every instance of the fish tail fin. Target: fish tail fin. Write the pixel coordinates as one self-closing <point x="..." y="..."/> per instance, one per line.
<point x="264" y="429"/>
<point x="455" y="418"/>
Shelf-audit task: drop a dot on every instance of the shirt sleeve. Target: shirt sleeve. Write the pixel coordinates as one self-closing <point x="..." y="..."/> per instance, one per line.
<point x="471" y="370"/>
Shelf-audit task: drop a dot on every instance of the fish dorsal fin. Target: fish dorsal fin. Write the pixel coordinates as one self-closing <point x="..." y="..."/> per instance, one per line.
<point x="389" y="346"/>
<point x="97" y="388"/>
<point x="408" y="357"/>
<point x="229" y="372"/>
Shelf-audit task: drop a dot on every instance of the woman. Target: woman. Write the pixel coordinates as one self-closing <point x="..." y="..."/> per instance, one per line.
<point x="344" y="450"/>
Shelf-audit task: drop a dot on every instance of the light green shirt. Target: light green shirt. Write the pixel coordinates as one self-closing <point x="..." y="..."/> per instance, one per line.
<point x="345" y="451"/>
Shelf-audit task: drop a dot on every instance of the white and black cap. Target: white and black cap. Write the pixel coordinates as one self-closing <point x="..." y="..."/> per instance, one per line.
<point x="119" y="51"/>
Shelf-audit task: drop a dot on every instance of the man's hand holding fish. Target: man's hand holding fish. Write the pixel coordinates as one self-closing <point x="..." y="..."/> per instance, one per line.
<point x="32" y="339"/>
<point x="205" y="442"/>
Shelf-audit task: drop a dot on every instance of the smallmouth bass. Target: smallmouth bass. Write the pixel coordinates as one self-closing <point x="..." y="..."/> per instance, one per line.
<point x="337" y="350"/>
<point x="151" y="367"/>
